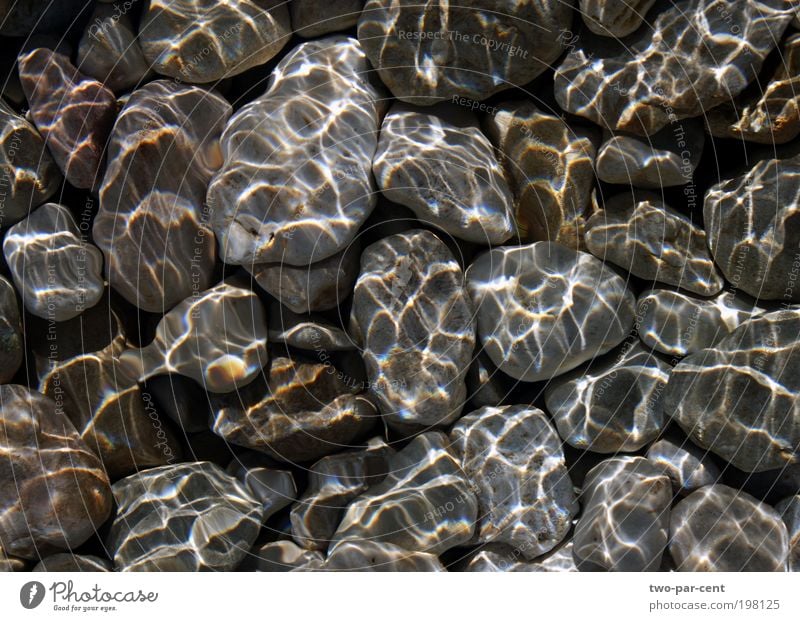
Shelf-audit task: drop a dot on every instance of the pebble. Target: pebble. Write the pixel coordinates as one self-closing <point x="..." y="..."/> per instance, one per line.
<point x="61" y="492"/>
<point x="296" y="181"/>
<point x="202" y="41"/>
<point x="428" y="52"/>
<point x="306" y="331"/>
<point x="363" y="556"/>
<point x="184" y="517"/>
<point x="661" y="74"/>
<point x="789" y="508"/>
<point x="437" y="162"/>
<point x="611" y="18"/>
<point x="641" y="234"/>
<point x="550" y="166"/>
<point x="109" y="49"/>
<point x="719" y="528"/>
<point x="678" y="323"/>
<point x="767" y="112"/>
<point x="56" y="269"/>
<point x="287" y="556"/>
<point x="69" y="562"/>
<point x="28" y="173"/>
<point x="500" y="558"/>
<point x="425" y="503"/>
<point x="11" y="335"/>
<point x="218" y="339"/>
<point x="73" y="112"/>
<point x="152" y="225"/>
<point x="667" y="158"/>
<point x="688" y="467"/>
<point x="295" y="411"/>
<point x="486" y="386"/>
<point x="321" y="286"/>
<point x="614" y="404"/>
<point x="333" y="482"/>
<point x="412" y="312"/>
<point x="625" y="519"/>
<point x="513" y="457"/>
<point x="312" y="19"/>
<point x="750" y="231"/>
<point x="273" y="487"/>
<point x="739" y="398"/>
<point x="11" y="563"/>
<point x="544" y="309"/>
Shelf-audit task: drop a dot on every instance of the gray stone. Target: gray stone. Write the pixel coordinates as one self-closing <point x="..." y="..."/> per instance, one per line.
<point x="310" y="18"/>
<point x="273" y="487"/>
<point x="500" y="558"/>
<point x="11" y="336"/>
<point x="544" y="309"/>
<point x="287" y="556"/>
<point x="69" y="562"/>
<point x="612" y="18"/>
<point x="486" y="385"/>
<point x="378" y="557"/>
<point x="306" y="331"/>
<point x="688" y="467"/>
<point x="789" y="508"/>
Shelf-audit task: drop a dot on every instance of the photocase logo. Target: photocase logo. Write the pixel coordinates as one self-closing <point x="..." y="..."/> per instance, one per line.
<point x="31" y="594"/>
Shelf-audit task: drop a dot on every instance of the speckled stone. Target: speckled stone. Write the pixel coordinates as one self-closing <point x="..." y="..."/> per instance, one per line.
<point x="425" y="504"/>
<point x="513" y="456"/>
<point x="55" y="267"/>
<point x="332" y="483"/>
<point x="550" y="168"/>
<point x="412" y="313"/>
<point x="187" y="517"/>
<point x="310" y="18"/>
<point x="678" y="323"/>
<point x="67" y="561"/>
<point x="296" y="181"/>
<point x="625" y="518"/>
<point x="152" y="225"/>
<point x="427" y="52"/>
<point x="379" y="556"/>
<point x="544" y="309"/>
<point x="688" y="467"/>
<point x="73" y="112"/>
<point x="613" y="404"/>
<point x="739" y="398"/>
<point x="612" y="18"/>
<point x="718" y="528"/>
<point x="218" y="339"/>
<point x="662" y="73"/>
<point x="11" y="336"/>
<point x="204" y="40"/>
<point x="58" y="493"/>
<point x="789" y="508"/>
<point x="287" y="556"/>
<point x="752" y="229"/>
<point x="640" y="233"/>
<point x="28" y="173"/>
<point x="295" y="411"/>
<point x="438" y="163"/>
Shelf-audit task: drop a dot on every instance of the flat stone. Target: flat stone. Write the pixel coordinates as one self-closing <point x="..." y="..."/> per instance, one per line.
<point x="55" y="267"/>
<point x="661" y="73"/>
<point x="544" y="309"/>
<point x="71" y="562"/>
<point x="611" y="18"/>
<point x="123" y="429"/>
<point x="205" y="41"/>
<point x="218" y="339"/>
<point x="28" y="173"/>
<point x="312" y="19"/>
<point x="789" y="508"/>
<point x="379" y="556"/>
<point x="625" y="519"/>
<point x="321" y="286"/>
<point x="438" y="163"/>
<point x="429" y="52"/>
<point x="412" y="313"/>
<point x="752" y="229"/>
<point x="425" y="504"/>
<point x="667" y="158"/>
<point x="73" y="112"/>
<point x="273" y="487"/>
<point x="306" y="331"/>
<point x="296" y="182"/>
<point x="678" y="323"/>
<point x="641" y="234"/>
<point x="513" y="456"/>
<point x="152" y="225"/>
<point x="11" y="335"/>
<point x="185" y="517"/>
<point x="718" y="528"/>
<point x="614" y="404"/>
<point x="768" y="112"/>
<point x="550" y="166"/>
<point x="294" y="411"/>
<point x="688" y="467"/>
<point x="739" y="398"/>
<point x="287" y="556"/>
<point x="332" y="483"/>
<point x="109" y="49"/>
<point x="61" y="494"/>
